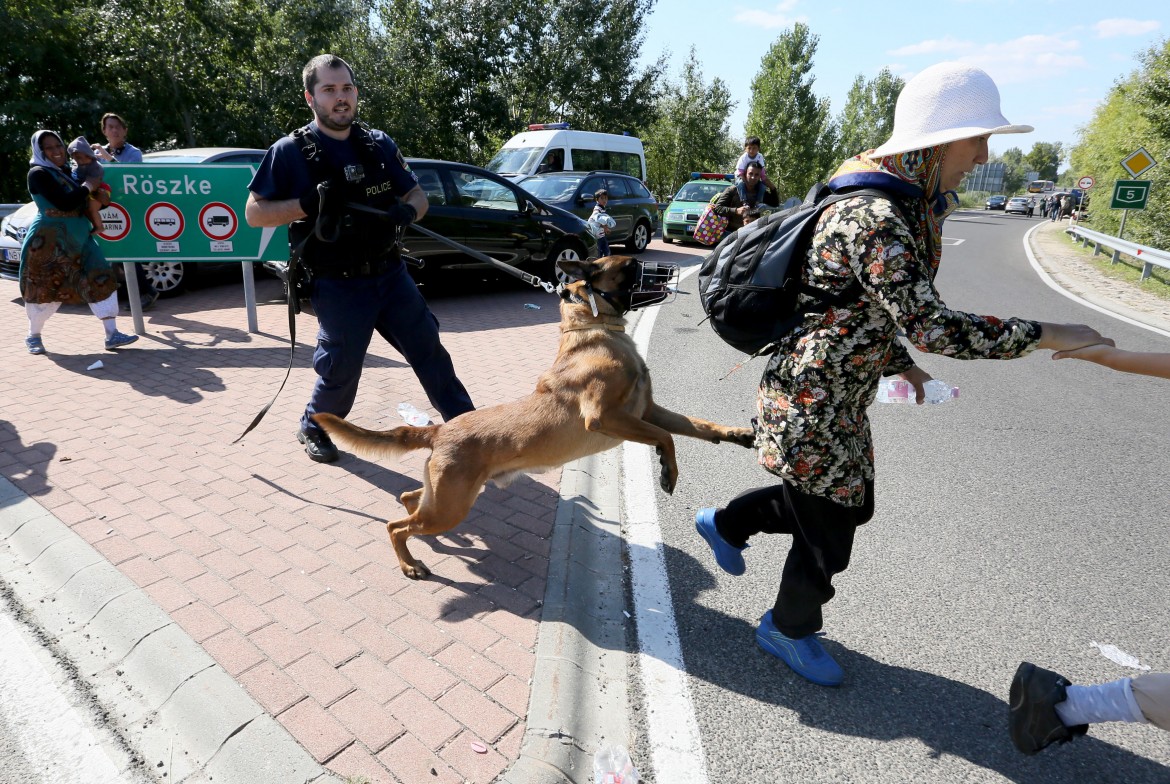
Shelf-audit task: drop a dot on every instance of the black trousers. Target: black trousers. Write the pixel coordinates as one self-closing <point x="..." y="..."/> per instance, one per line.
<point x="822" y="540"/>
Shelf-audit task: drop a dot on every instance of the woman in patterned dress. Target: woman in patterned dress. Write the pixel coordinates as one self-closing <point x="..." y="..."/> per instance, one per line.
<point x="60" y="262"/>
<point x="812" y="428"/>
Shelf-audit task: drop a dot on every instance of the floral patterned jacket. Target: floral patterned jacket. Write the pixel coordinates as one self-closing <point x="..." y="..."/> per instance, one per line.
<point x="812" y="428"/>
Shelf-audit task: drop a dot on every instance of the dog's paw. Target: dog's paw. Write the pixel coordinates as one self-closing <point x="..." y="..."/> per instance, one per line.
<point x="667" y="478"/>
<point x="743" y="436"/>
<point x="416" y="571"/>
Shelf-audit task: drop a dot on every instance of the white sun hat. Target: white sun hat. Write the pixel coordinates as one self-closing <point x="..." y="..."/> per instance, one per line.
<point x="945" y="103"/>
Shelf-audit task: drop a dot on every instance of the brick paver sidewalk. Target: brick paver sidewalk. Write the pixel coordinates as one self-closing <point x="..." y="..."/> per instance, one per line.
<point x="280" y="567"/>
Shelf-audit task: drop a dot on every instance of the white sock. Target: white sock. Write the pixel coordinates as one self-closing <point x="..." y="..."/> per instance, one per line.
<point x="110" y="325"/>
<point x="1113" y="701"/>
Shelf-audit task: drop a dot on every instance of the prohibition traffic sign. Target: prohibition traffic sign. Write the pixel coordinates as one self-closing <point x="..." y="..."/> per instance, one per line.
<point x="218" y="221"/>
<point x="1084" y="183"/>
<point x="164" y="221"/>
<point x="115" y="222"/>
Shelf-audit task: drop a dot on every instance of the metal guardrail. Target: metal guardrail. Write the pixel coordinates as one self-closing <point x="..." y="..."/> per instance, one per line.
<point x="1143" y="253"/>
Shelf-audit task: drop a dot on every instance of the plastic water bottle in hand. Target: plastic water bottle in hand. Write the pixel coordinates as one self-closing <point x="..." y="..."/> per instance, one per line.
<point x="412" y="416"/>
<point x="612" y="765"/>
<point x="897" y="390"/>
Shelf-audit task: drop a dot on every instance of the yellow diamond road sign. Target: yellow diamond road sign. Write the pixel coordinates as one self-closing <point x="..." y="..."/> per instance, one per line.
<point x="1138" y="162"/>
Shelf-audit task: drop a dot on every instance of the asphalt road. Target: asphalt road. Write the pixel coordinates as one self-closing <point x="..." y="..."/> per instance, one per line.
<point x="50" y="730"/>
<point x="1024" y="521"/>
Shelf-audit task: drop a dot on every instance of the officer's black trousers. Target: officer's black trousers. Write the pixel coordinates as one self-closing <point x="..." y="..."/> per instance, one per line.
<point x="822" y="541"/>
<point x="349" y="311"/>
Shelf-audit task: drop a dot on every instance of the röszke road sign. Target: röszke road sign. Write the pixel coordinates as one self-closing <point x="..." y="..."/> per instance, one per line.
<point x="1084" y="183"/>
<point x="1130" y="195"/>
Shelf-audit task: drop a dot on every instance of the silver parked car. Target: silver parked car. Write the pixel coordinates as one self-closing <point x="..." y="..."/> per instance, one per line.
<point x="1019" y="205"/>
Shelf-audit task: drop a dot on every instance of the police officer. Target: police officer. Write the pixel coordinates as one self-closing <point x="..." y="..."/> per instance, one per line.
<point x="359" y="283"/>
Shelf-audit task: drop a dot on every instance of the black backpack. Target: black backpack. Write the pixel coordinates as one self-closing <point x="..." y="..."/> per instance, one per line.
<point x="749" y="282"/>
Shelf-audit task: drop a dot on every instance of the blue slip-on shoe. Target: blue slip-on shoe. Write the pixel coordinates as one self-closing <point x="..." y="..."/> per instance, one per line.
<point x="119" y="339"/>
<point x="728" y="556"/>
<point x="34" y="345"/>
<point x="805" y="655"/>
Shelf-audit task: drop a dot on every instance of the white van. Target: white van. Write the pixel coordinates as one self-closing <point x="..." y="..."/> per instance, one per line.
<point x="551" y="147"/>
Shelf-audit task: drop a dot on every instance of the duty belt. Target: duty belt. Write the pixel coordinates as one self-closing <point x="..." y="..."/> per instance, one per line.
<point x="366" y="269"/>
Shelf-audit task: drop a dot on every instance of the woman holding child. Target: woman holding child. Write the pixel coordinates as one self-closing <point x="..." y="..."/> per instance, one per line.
<point x="60" y="262"/>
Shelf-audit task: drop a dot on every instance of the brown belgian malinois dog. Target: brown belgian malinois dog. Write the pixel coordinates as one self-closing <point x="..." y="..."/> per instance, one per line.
<point x="595" y="396"/>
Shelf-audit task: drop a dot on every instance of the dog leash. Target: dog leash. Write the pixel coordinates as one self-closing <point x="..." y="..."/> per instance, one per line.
<point x="294" y="260"/>
<point x="294" y="304"/>
<point x="527" y="277"/>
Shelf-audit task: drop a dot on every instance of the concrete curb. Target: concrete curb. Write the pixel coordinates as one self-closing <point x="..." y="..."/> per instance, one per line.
<point x="180" y="708"/>
<point x="580" y="697"/>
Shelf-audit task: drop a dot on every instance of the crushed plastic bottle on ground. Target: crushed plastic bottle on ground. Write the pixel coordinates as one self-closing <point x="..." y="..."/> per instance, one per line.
<point x="412" y="416"/>
<point x="612" y="765"/>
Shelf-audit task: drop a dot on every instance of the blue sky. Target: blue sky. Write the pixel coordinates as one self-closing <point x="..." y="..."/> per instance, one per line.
<point x="1054" y="62"/>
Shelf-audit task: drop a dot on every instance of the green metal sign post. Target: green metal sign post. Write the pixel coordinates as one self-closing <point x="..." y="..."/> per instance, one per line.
<point x="185" y="213"/>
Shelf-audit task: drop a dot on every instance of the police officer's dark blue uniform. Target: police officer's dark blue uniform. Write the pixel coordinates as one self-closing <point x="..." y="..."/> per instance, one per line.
<point x="359" y="282"/>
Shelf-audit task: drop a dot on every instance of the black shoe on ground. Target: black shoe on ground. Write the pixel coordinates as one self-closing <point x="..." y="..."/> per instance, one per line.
<point x="1032" y="718"/>
<point x="148" y="300"/>
<point x="318" y="445"/>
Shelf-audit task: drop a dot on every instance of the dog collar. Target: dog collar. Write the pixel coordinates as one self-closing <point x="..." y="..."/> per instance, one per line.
<point x="610" y="327"/>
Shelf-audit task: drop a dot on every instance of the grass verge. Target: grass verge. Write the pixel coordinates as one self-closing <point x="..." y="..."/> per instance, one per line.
<point x="1127" y="269"/>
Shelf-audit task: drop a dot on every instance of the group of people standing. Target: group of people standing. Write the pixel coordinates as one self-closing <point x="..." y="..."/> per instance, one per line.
<point x="60" y="260"/>
<point x="1057" y="207"/>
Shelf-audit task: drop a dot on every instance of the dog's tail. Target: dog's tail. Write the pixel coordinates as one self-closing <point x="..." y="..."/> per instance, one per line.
<point x="376" y="443"/>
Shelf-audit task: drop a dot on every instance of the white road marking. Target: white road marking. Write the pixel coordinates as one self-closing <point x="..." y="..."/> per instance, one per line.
<point x="672" y="731"/>
<point x="55" y="737"/>
<point x="1052" y="284"/>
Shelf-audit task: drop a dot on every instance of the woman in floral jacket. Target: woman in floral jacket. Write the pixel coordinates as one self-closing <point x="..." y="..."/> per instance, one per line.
<point x="812" y="429"/>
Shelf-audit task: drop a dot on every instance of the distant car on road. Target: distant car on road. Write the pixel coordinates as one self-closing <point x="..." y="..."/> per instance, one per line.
<point x="995" y="203"/>
<point x="681" y="215"/>
<point x="1019" y="204"/>
<point x="169" y="278"/>
<point x="630" y="203"/>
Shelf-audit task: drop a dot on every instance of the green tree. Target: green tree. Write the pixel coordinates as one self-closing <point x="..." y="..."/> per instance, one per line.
<point x="868" y="117"/>
<point x="797" y="134"/>
<point x="48" y="83"/>
<point x="571" y="61"/>
<point x="1151" y="97"/>
<point x="1117" y="128"/>
<point x="1045" y="158"/>
<point x="1014" y="170"/>
<point x="446" y="78"/>
<point x="691" y="132"/>
<point x="456" y="79"/>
